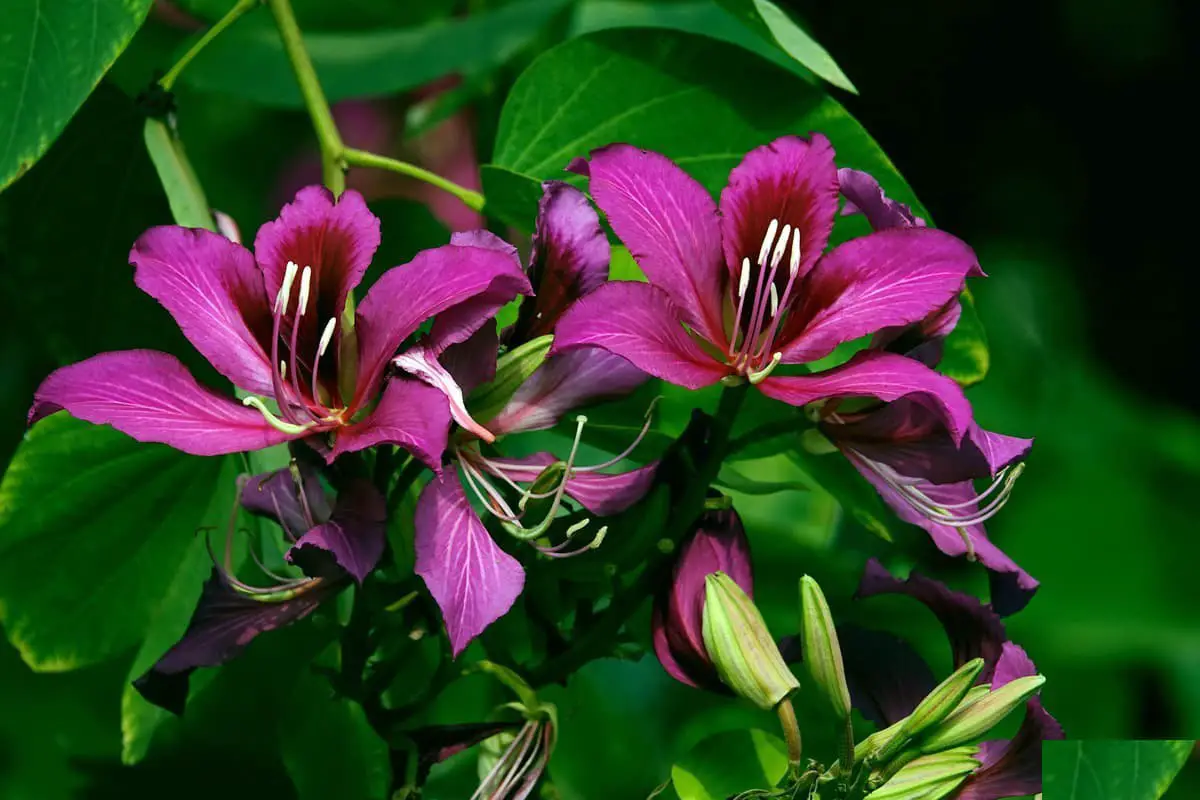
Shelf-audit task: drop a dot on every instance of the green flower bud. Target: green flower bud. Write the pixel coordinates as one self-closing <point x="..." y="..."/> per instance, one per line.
<point x="929" y="777"/>
<point x="821" y="650"/>
<point x="512" y="369"/>
<point x="972" y="720"/>
<point x="741" y="648"/>
<point x="877" y="742"/>
<point x="936" y="706"/>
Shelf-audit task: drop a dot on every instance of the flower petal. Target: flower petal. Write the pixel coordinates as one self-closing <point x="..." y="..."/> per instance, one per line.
<point x="153" y="398"/>
<point x="893" y="277"/>
<point x="570" y="258"/>
<point x="566" y="381"/>
<point x="215" y="292"/>
<point x="886" y="676"/>
<point x="353" y="538"/>
<point x="603" y="494"/>
<point x="224" y="622"/>
<point x="422" y="363"/>
<point x="434" y="282"/>
<point x="638" y="322"/>
<point x="472" y="362"/>
<point x="789" y="180"/>
<point x="276" y="496"/>
<point x="411" y="415"/>
<point x="670" y="225"/>
<point x="884" y="376"/>
<point x="473" y="581"/>
<point x="865" y="196"/>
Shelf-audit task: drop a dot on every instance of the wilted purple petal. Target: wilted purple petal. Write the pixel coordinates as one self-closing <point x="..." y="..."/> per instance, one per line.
<point x="886" y="676"/>
<point x="410" y="414"/>
<point x="352" y="538"/>
<point x="274" y="495"/>
<point x="865" y="196"/>
<point x="473" y="581"/>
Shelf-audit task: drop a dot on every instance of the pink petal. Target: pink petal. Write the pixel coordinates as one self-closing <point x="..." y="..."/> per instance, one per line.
<point x="865" y="196"/>
<point x="153" y="398"/>
<point x="473" y="581"/>
<point x="410" y="414"/>
<point x="790" y="180"/>
<point x="892" y="277"/>
<point x="472" y="362"/>
<point x="353" y="537"/>
<point x="215" y="292"/>
<point x="423" y="364"/>
<point x="670" y="225"/>
<point x="638" y="322"/>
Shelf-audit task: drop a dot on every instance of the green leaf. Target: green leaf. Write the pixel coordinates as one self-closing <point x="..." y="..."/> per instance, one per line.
<point x="510" y="196"/>
<point x="833" y="473"/>
<point x="248" y="60"/>
<point x="117" y="519"/>
<point x="52" y="55"/>
<point x="512" y="370"/>
<point x="729" y="763"/>
<point x="773" y="23"/>
<point x="965" y="357"/>
<point x="189" y="206"/>
<point x="1111" y="770"/>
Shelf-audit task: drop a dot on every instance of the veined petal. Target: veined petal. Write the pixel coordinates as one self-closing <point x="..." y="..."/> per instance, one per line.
<point x="886" y="676"/>
<point x="566" y="381"/>
<point x="670" y="225"/>
<point x="215" y="292"/>
<point x="473" y="581"/>
<point x="865" y="196"/>
<point x="275" y="496"/>
<point x="638" y="322"/>
<point x="422" y="363"/>
<point x="472" y="362"/>
<point x="410" y="414"/>
<point x="153" y="398"/>
<point x="569" y="259"/>
<point x="432" y="283"/>
<point x="790" y="180"/>
<point x="353" y="538"/>
<point x="892" y="277"/>
<point x="603" y="494"/>
<point x="884" y="376"/>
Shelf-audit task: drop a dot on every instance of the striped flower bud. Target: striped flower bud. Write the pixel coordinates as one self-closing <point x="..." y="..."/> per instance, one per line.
<point x="937" y="705"/>
<point x="971" y="721"/>
<point x="929" y="777"/>
<point x="822" y="652"/>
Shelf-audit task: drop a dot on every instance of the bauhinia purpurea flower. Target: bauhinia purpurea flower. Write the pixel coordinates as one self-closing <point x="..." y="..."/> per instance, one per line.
<point x="274" y="323"/>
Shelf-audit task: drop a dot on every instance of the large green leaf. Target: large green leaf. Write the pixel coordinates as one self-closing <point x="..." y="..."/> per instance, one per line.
<point x="95" y="528"/>
<point x="774" y="24"/>
<point x="729" y="763"/>
<point x="248" y="59"/>
<point x="1111" y="770"/>
<point x="52" y="54"/>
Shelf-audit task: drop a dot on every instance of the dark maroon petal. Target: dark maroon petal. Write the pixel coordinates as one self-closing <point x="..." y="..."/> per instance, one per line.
<point x="352" y="539"/>
<point x="153" y="398"/>
<point x="670" y="225"/>
<point x="886" y="676"/>
<point x="923" y="340"/>
<point x="865" y="196"/>
<point x="789" y="180"/>
<point x="570" y="258"/>
<point x="410" y="414"/>
<point x="224" y="622"/>
<point x="472" y="362"/>
<point x="215" y="292"/>
<point x="276" y="496"/>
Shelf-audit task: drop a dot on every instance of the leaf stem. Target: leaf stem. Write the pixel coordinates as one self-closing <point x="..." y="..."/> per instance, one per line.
<point x="361" y="158"/>
<point x="231" y="16"/>
<point x="333" y="165"/>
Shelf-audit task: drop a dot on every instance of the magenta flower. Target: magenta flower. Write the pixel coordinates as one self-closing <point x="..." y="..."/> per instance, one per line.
<point x="718" y="543"/>
<point x="272" y="322"/>
<point x="473" y="580"/>
<point x="734" y="292"/>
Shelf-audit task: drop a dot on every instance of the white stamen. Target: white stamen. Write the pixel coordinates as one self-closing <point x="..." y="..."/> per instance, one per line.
<point x="780" y="246"/>
<point x="774" y="300"/>
<point x="326" y="336"/>
<point x="744" y="280"/>
<point x="285" y="291"/>
<point x="282" y="370"/>
<point x="305" y="280"/>
<point x="795" y="262"/>
<point x="768" y="240"/>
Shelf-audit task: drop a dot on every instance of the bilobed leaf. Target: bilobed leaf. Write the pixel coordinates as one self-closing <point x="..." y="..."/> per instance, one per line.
<point x="1111" y="770"/>
<point x="775" y="25"/>
<point x="730" y="763"/>
<point x="52" y="55"/>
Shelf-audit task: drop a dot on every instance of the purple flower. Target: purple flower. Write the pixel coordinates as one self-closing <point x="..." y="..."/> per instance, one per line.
<point x="329" y="542"/>
<point x="717" y="544"/>
<point x="272" y="322"/>
<point x="1008" y="768"/>
<point x="735" y="292"/>
<point x="472" y="579"/>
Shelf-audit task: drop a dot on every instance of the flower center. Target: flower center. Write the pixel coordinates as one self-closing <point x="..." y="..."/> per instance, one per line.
<point x="760" y="305"/>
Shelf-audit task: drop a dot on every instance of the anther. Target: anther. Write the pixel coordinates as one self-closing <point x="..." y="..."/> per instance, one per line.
<point x="774" y="300"/>
<point x="285" y="291"/>
<point x="305" y="280"/>
<point x="282" y="370"/>
<point x="744" y="279"/>
<point x="768" y="240"/>
<point x="794" y="265"/>
<point x="326" y="336"/>
<point x="781" y="246"/>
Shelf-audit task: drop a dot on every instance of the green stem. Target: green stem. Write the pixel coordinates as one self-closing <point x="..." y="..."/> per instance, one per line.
<point x="231" y="16"/>
<point x="846" y="757"/>
<point x="332" y="150"/>
<point x="791" y="733"/>
<point x="361" y="158"/>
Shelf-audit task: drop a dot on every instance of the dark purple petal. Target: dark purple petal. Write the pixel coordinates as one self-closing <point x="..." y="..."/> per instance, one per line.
<point x="276" y="496"/>
<point x="883" y="376"/>
<point x="152" y="397"/>
<point x="215" y="292"/>
<point x="566" y="381"/>
<point x="603" y="494"/>
<point x="670" y="225"/>
<point x="473" y="581"/>
<point x="431" y="284"/>
<point x="923" y="340"/>
<point x="886" y="676"/>
<point x="224" y="622"/>
<point x="570" y="258"/>
<point x="423" y="363"/>
<point x="718" y="544"/>
<point x="638" y="322"/>
<point x="789" y="180"/>
<point x="410" y="414"/>
<point x="472" y="362"/>
<point x="893" y="277"/>
<point x="353" y="538"/>
<point x="865" y="196"/>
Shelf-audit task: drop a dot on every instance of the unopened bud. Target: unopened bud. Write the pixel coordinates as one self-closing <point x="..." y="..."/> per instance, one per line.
<point x="930" y="777"/>
<point x="971" y="721"/>
<point x="740" y="646"/>
<point x="821" y="650"/>
<point x="874" y="745"/>
<point x="943" y="700"/>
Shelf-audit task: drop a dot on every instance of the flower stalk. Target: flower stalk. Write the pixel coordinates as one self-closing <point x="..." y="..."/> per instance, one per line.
<point x="235" y="13"/>
<point x="791" y="734"/>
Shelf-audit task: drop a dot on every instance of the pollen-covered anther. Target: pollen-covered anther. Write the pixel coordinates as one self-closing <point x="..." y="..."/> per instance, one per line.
<point x="285" y="289"/>
<point x="326" y="336"/>
<point x="305" y="281"/>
